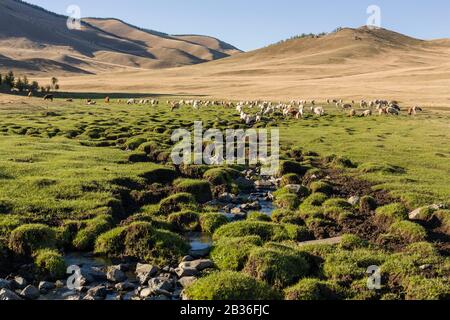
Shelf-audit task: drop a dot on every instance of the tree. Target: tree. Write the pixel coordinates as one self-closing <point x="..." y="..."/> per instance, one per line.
<point x="48" y="88"/>
<point x="55" y="85"/>
<point x="34" y="86"/>
<point x="19" y="85"/>
<point x="1" y="78"/>
<point x="9" y="80"/>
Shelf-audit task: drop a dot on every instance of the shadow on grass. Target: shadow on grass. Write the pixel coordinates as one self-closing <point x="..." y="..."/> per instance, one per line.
<point x="102" y="95"/>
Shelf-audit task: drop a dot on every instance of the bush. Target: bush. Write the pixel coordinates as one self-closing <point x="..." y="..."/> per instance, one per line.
<point x="210" y="222"/>
<point x="258" y="216"/>
<point x="184" y="221"/>
<point x="266" y="230"/>
<point x="290" y="178"/>
<point x="314" y="290"/>
<point x="51" y="263"/>
<point x="279" y="268"/>
<point x="232" y="253"/>
<point x="85" y="238"/>
<point x="321" y="187"/>
<point x="217" y="176"/>
<point x="420" y="288"/>
<point x="28" y="238"/>
<point x="287" y="167"/>
<point x="408" y="231"/>
<point x="201" y="190"/>
<point x="140" y="240"/>
<point x="176" y="203"/>
<point x="391" y="213"/>
<point x="228" y="285"/>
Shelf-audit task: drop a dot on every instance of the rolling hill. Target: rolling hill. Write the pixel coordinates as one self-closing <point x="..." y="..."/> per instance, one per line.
<point x="37" y="41"/>
<point x="350" y="63"/>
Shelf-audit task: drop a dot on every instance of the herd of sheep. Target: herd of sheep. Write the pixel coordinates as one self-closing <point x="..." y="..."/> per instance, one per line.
<point x="252" y="112"/>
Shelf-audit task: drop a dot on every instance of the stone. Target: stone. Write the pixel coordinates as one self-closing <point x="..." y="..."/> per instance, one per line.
<point x="30" y="293"/>
<point x="354" y="200"/>
<point x="144" y="272"/>
<point x="415" y="214"/>
<point x="200" y="265"/>
<point x="114" y="274"/>
<point x="186" y="281"/>
<point x="19" y="282"/>
<point x="145" y="293"/>
<point x="187" y="258"/>
<point x="129" y="296"/>
<point x="236" y="210"/>
<point x="6" y="284"/>
<point x="244" y="183"/>
<point x="125" y="286"/>
<point x="6" y="294"/>
<point x="160" y="284"/>
<point x="200" y="253"/>
<point x="45" y="287"/>
<point x="227" y="197"/>
<point x="91" y="274"/>
<point x="59" y="284"/>
<point x="186" y="272"/>
<point x="98" y="292"/>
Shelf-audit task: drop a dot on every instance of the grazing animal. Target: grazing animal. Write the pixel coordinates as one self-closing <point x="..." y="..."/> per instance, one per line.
<point x="393" y="111"/>
<point x="352" y="113"/>
<point x="347" y="106"/>
<point x="413" y="111"/>
<point x="319" y="111"/>
<point x="69" y="100"/>
<point x="30" y="94"/>
<point x="130" y="101"/>
<point x="48" y="97"/>
<point x="107" y="100"/>
<point x="175" y="106"/>
<point x="367" y="113"/>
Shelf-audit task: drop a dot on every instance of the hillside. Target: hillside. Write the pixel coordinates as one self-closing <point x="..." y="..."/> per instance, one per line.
<point x="36" y="41"/>
<point x="351" y="63"/>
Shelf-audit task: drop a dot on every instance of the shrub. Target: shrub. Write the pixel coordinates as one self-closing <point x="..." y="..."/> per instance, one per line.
<point x="290" y="178"/>
<point x="258" y="216"/>
<point x="217" y="176"/>
<point x="184" y="221"/>
<point x="210" y="222"/>
<point x="85" y="238"/>
<point x="176" y="203"/>
<point x="228" y="285"/>
<point x="367" y="204"/>
<point x="321" y="187"/>
<point x="232" y="253"/>
<point x="391" y="213"/>
<point x="420" y="288"/>
<point x="28" y="238"/>
<point x="266" y="230"/>
<point x="313" y="290"/>
<point x="287" y="167"/>
<point x="50" y="262"/>
<point x="200" y="189"/>
<point x="279" y="268"/>
<point x="408" y="231"/>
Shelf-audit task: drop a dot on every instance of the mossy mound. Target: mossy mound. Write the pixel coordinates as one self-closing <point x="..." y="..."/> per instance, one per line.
<point x="184" y="221"/>
<point x="142" y="241"/>
<point x="228" y="285"/>
<point x="200" y="189"/>
<point x="394" y="212"/>
<point x="28" y="238"/>
<point x="85" y="238"/>
<point x="311" y="289"/>
<point x="321" y="187"/>
<point x="408" y="231"/>
<point x="232" y="253"/>
<point x="267" y="231"/>
<point x="50" y="262"/>
<point x="218" y="176"/>
<point x="210" y="222"/>
<point x="258" y="216"/>
<point x="279" y="268"/>
<point x="176" y="203"/>
<point x="287" y="167"/>
<point x="290" y="178"/>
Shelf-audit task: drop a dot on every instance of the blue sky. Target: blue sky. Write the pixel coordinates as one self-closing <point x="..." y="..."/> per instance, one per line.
<point x="251" y="24"/>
